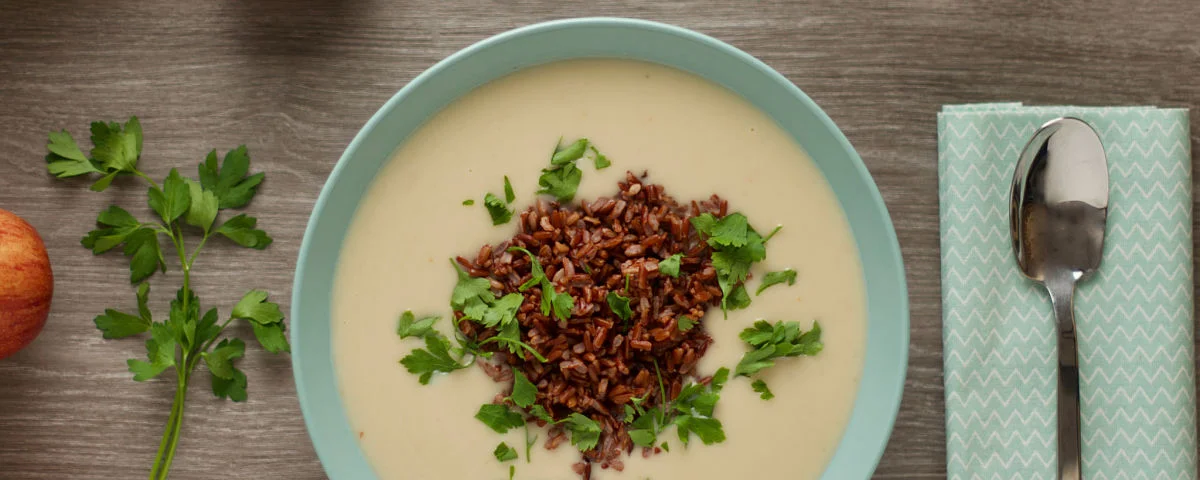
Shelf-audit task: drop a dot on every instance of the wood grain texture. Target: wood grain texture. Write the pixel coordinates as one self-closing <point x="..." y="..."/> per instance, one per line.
<point x="295" y="79"/>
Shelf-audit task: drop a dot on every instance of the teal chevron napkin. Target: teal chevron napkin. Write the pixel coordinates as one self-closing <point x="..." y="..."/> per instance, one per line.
<point x="1134" y="317"/>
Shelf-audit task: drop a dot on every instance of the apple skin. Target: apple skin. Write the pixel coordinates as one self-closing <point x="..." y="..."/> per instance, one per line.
<point x="26" y="283"/>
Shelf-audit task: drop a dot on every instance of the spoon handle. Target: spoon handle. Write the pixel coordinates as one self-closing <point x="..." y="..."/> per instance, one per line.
<point x="1062" y="294"/>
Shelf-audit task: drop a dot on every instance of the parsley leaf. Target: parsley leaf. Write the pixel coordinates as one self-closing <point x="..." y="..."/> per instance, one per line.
<point x="65" y="158"/>
<point x="524" y="392"/>
<point x="160" y="353"/>
<point x="116" y="324"/>
<point x="499" y="418"/>
<point x="435" y="357"/>
<point x="536" y="274"/>
<point x="255" y="307"/>
<point x="220" y="359"/>
<point x="600" y="161"/>
<point x="411" y="327"/>
<point x="233" y="388"/>
<point x="468" y="202"/>
<point x="145" y="254"/>
<point x="585" y="432"/>
<point x="539" y="412"/>
<point x="736" y="246"/>
<point x="173" y="199"/>
<point x="509" y="196"/>
<point x="561" y="182"/>
<point x="229" y="182"/>
<point x="560" y="303"/>
<point x="470" y="291"/>
<point x="504" y="452"/>
<point x="737" y="299"/>
<point x="685" y="323"/>
<point x="770" y="342"/>
<point x="241" y="229"/>
<point x="709" y="430"/>
<point x="497" y="209"/>
<point x="761" y="387"/>
<point x="619" y="305"/>
<point x="670" y="266"/>
<point x="202" y="210"/>
<point x="570" y="153"/>
<point x="773" y="278"/>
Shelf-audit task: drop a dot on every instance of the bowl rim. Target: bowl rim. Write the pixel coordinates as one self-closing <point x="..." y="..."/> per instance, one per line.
<point x="886" y="409"/>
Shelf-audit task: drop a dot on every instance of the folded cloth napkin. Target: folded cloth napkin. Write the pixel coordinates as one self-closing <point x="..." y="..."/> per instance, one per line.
<point x="1134" y="317"/>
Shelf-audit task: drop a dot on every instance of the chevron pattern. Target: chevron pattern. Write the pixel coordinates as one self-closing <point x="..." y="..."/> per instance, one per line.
<point x="1134" y="317"/>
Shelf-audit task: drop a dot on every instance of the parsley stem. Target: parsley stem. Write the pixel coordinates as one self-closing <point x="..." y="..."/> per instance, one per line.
<point x="166" y="447"/>
<point x="147" y="178"/>
<point x="196" y="251"/>
<point x="180" y="398"/>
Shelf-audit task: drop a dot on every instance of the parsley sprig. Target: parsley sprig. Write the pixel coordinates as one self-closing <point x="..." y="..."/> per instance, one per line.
<point x="185" y="208"/>
<point x="691" y="413"/>
<point x="736" y="247"/>
<point x="770" y="342"/>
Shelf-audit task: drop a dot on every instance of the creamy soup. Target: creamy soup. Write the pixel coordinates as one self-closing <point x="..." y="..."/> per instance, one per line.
<point x="693" y="137"/>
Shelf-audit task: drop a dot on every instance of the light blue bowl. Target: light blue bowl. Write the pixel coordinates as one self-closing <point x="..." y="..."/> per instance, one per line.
<point x="887" y="334"/>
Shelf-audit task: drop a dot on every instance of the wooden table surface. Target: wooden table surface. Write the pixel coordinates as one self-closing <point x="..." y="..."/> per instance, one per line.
<point x="295" y="79"/>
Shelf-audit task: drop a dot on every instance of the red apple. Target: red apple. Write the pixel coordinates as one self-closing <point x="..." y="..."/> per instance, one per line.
<point x="26" y="283"/>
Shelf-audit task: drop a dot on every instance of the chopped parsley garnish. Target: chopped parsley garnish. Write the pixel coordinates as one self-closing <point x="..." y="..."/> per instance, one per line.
<point x="497" y="209"/>
<point x="561" y="179"/>
<point x="560" y="304"/>
<point x="769" y="342"/>
<point x="468" y="202"/>
<point x="411" y="327"/>
<point x="499" y="418"/>
<point x="570" y="153"/>
<point x="738" y="298"/>
<point x="774" y="278"/>
<point x="585" y="432"/>
<point x="736" y="246"/>
<point x="691" y="412"/>
<point x="504" y="453"/>
<point x="600" y="161"/>
<point x="685" y="323"/>
<point x="670" y="266"/>
<point x="509" y="196"/>
<point x="761" y="387"/>
<point x="524" y="392"/>
<point x="435" y="357"/>
<point x="619" y="305"/>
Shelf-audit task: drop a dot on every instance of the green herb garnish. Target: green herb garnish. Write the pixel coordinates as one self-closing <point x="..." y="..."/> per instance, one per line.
<point x="774" y="278"/>
<point x="761" y="387"/>
<point x="468" y="202"/>
<point x="736" y="246"/>
<point x="524" y="392"/>
<point x="691" y="412"/>
<point x="619" y="305"/>
<point x="504" y="453"/>
<point x="509" y="196"/>
<point x="499" y="418"/>
<point x="185" y="208"/>
<point x="769" y="342"/>
<point x="570" y="153"/>
<point x="670" y="266"/>
<point x="561" y="179"/>
<point x="497" y="209"/>
<point x="553" y="302"/>
<point x="685" y="323"/>
<point x="600" y="161"/>
<point x="585" y="432"/>
<point x="409" y="326"/>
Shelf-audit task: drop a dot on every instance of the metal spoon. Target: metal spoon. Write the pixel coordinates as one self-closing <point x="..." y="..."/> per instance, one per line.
<point x="1058" y="213"/>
